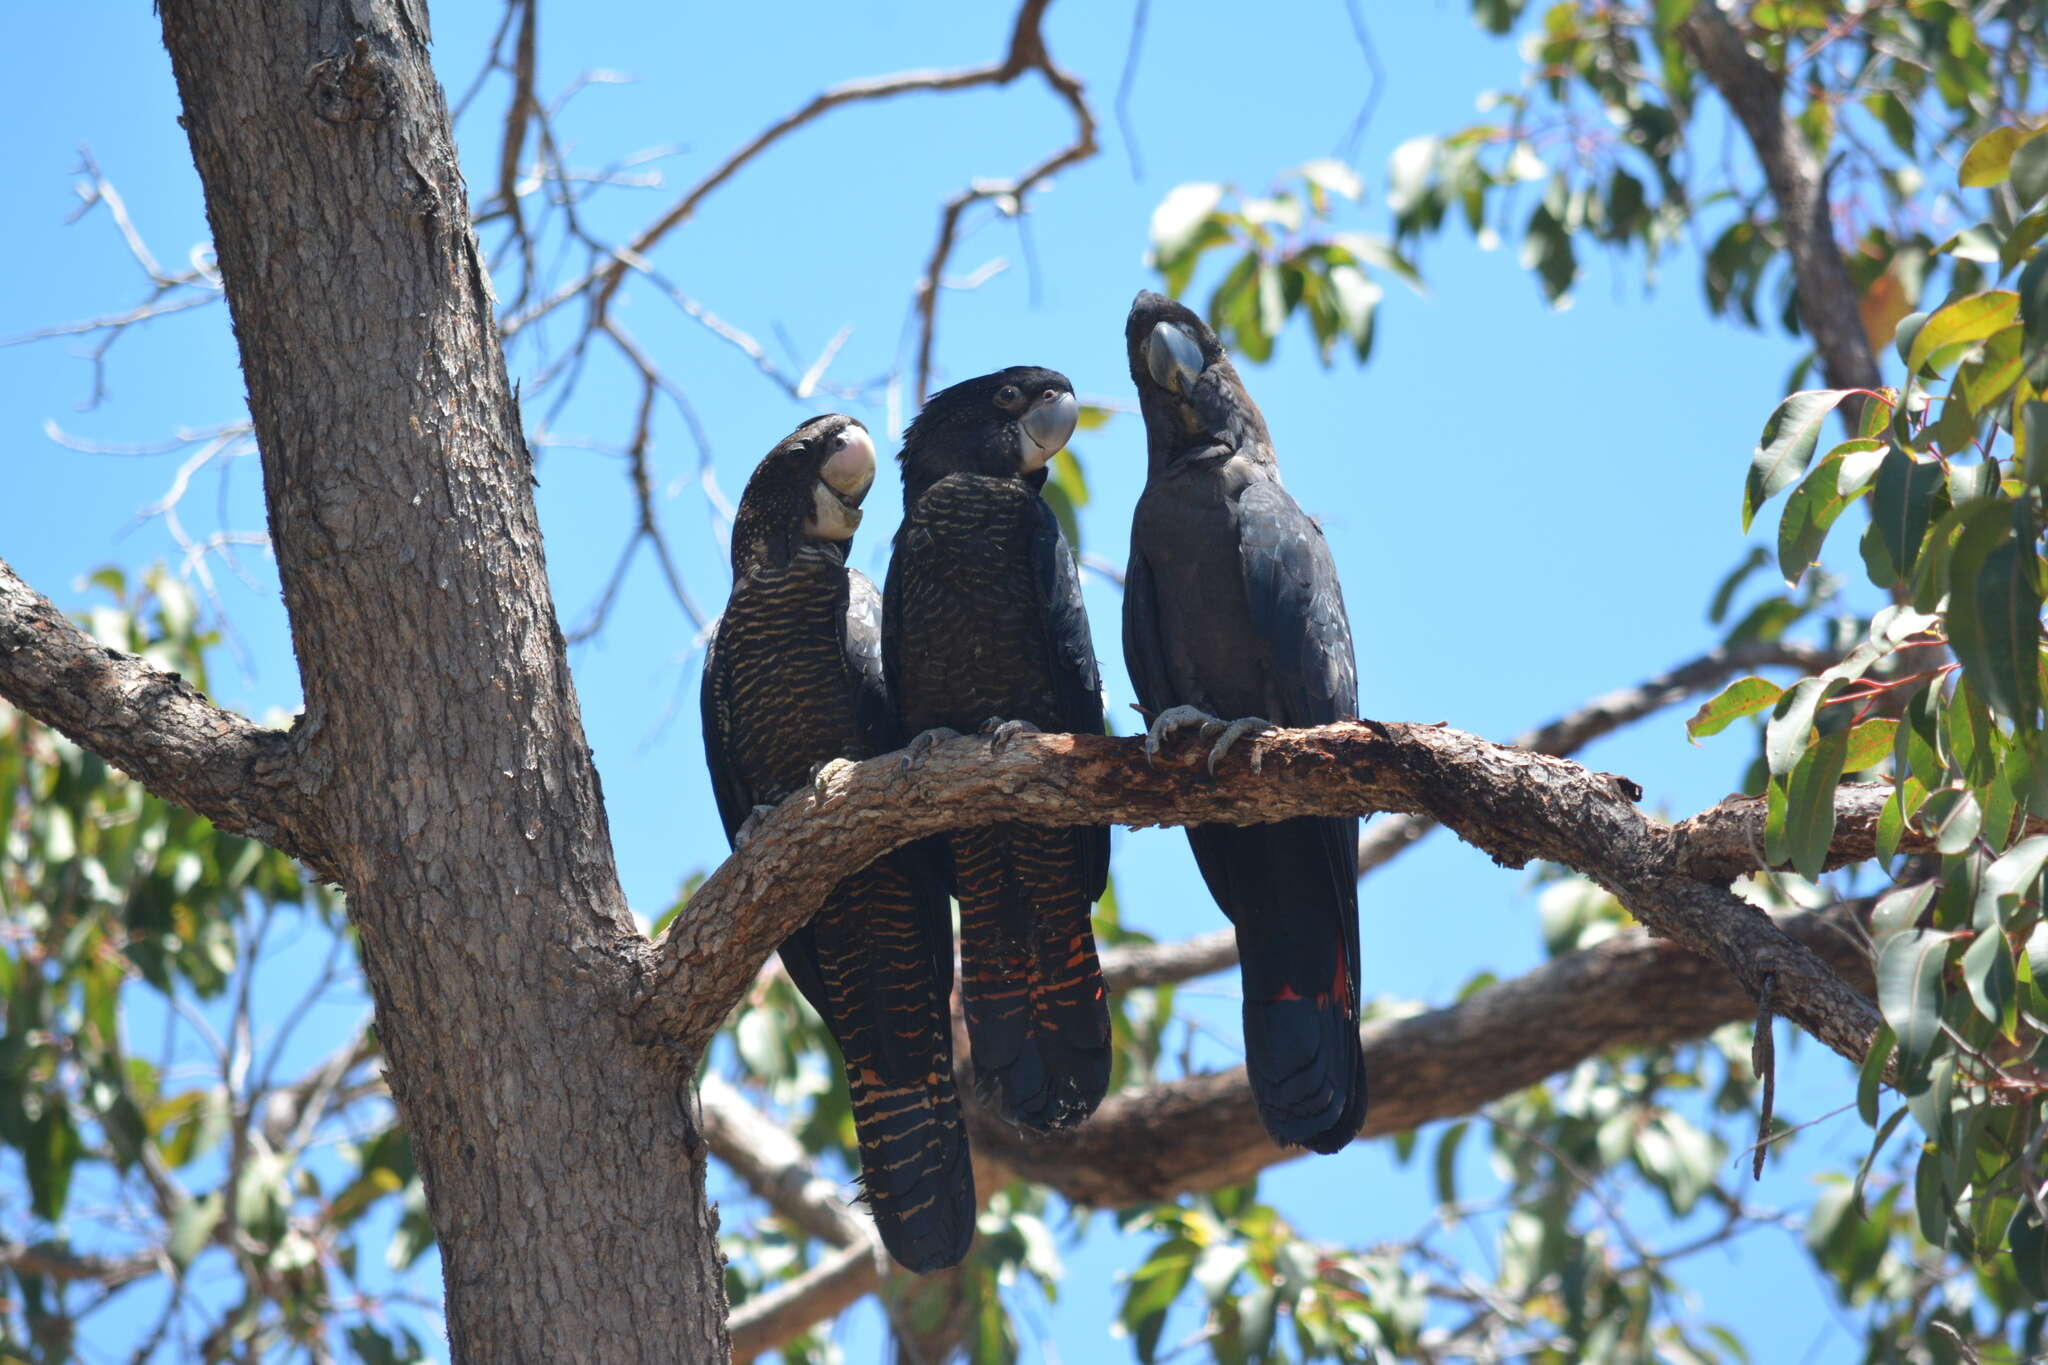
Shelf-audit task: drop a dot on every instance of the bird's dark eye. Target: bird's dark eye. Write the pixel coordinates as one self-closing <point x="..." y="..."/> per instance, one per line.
<point x="1007" y="396"/>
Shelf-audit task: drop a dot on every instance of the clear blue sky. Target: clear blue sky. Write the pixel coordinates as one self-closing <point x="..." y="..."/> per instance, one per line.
<point x="1529" y="507"/>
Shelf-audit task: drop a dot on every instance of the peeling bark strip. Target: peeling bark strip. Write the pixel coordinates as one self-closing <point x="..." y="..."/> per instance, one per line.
<point x="1513" y="804"/>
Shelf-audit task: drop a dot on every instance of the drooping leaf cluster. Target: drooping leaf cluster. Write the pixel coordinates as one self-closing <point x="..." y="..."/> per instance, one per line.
<point x="1612" y="146"/>
<point x="1940" y="691"/>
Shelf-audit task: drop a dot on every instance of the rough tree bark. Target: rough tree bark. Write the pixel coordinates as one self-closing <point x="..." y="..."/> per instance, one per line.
<point x="441" y="749"/>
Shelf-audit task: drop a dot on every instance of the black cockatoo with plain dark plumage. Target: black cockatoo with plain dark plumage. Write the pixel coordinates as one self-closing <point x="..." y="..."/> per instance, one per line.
<point x="1234" y="622"/>
<point x="983" y="629"/>
<point x="792" y="681"/>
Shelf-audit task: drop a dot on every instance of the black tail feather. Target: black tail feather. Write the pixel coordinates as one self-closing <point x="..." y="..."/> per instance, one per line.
<point x="872" y="964"/>
<point x="1031" y="987"/>
<point x="1291" y="891"/>
<point x="914" y="1171"/>
<point x="1307" y="1070"/>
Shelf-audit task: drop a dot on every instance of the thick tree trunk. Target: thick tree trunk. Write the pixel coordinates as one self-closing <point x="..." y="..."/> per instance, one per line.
<point x="441" y="738"/>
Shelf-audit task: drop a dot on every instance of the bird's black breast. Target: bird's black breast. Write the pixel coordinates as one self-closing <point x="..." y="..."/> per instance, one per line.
<point x="785" y="693"/>
<point x="1186" y="527"/>
<point x="973" y="642"/>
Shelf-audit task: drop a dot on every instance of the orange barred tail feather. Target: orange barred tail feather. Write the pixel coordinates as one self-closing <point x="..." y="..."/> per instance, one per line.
<point x="880" y="974"/>
<point x="1031" y="986"/>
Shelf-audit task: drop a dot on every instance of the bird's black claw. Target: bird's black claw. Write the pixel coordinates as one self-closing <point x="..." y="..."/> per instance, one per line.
<point x="1232" y="733"/>
<point x="915" y="751"/>
<point x="1000" y="732"/>
<point x="1178" y="718"/>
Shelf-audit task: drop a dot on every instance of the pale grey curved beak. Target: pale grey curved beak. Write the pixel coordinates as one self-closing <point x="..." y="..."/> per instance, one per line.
<point x="1173" y="357"/>
<point x="842" y="482"/>
<point x="1047" y="425"/>
<point x="851" y="467"/>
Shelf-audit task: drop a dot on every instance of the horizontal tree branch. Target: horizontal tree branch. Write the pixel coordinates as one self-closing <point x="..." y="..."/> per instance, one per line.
<point x="1156" y="1142"/>
<point x="1386" y="839"/>
<point x="60" y="1263"/>
<point x="825" y="1290"/>
<point x="157" y="728"/>
<point x="1163" y="964"/>
<point x="1515" y="805"/>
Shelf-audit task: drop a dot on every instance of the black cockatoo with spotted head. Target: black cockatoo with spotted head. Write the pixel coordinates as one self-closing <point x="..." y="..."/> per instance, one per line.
<point x="792" y="682"/>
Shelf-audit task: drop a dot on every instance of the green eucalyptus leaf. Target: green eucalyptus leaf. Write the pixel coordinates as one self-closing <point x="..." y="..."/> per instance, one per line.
<point x="1791" y="723"/>
<point x="1786" y="445"/>
<point x="1809" y="513"/>
<point x="1901" y="908"/>
<point x="1860" y="461"/>
<point x="1909" y="966"/>
<point x="2034" y="443"/>
<point x="2029" y="167"/>
<point x="1989" y="160"/>
<point x="1907" y="331"/>
<point x="1988" y="973"/>
<point x="1891" y="824"/>
<point x="1902" y="505"/>
<point x="2007" y="880"/>
<point x="1447" y="1163"/>
<point x="1954" y="818"/>
<point x="1810" y="803"/>
<point x="1994" y="617"/>
<point x="1870" y="743"/>
<point x="1967" y="320"/>
<point x="1743" y="697"/>
<point x="54" y="1148"/>
<point x="1931" y="1203"/>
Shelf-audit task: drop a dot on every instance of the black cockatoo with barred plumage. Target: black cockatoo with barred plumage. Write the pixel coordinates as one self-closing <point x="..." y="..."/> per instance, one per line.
<point x="983" y="629"/>
<point x="793" y="681"/>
